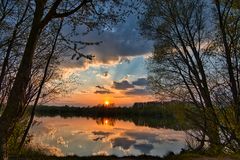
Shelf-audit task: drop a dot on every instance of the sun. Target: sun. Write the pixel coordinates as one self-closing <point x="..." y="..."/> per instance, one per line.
<point x="106" y="103"/>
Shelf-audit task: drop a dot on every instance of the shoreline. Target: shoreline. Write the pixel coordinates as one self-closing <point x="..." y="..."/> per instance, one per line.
<point x="184" y="156"/>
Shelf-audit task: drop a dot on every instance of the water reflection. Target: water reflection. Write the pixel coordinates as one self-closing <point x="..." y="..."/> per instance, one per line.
<point x="106" y="121"/>
<point x="85" y="137"/>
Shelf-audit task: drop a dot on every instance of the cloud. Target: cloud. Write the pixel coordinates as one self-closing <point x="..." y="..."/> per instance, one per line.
<point x="136" y="91"/>
<point x="140" y="82"/>
<point x="124" y="143"/>
<point x="61" y="141"/>
<point x="101" y="133"/>
<point x="76" y="132"/>
<point x="102" y="90"/>
<point x="140" y="135"/>
<point x="49" y="150"/>
<point x="105" y="74"/>
<point x="125" y="59"/>
<point x="122" y="41"/>
<point x="124" y="85"/>
<point x="118" y="43"/>
<point x="101" y="153"/>
<point x="150" y="137"/>
<point x="144" y="148"/>
<point x="100" y="87"/>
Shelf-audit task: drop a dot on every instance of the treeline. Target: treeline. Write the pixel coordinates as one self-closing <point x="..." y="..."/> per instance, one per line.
<point x="169" y="115"/>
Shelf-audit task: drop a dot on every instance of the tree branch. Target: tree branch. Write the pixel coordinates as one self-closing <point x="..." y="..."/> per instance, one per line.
<point x="62" y="15"/>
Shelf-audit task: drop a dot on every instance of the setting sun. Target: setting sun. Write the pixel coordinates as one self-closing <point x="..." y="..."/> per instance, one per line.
<point x="106" y="103"/>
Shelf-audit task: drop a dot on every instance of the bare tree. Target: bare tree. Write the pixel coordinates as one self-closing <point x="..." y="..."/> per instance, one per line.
<point x="227" y="18"/>
<point x="179" y="66"/>
<point x="196" y="59"/>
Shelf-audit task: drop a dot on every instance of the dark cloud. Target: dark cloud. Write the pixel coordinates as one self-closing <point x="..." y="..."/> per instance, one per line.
<point x="101" y="133"/>
<point x="150" y="137"/>
<point x="118" y="43"/>
<point x="125" y="59"/>
<point x="123" y="40"/>
<point x="102" y="90"/>
<point x="144" y="148"/>
<point x="101" y="87"/>
<point x="98" y="139"/>
<point x="105" y="74"/>
<point x="124" y="85"/>
<point x="173" y="140"/>
<point x="140" y="135"/>
<point x="125" y="143"/>
<point x="136" y="91"/>
<point x="140" y="82"/>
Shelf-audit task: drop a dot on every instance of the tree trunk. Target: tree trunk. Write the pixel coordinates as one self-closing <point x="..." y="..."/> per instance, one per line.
<point x="16" y="98"/>
<point x="40" y="89"/>
<point x="3" y="149"/>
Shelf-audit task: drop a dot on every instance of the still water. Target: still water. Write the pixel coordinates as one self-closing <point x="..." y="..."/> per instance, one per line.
<point x="103" y="136"/>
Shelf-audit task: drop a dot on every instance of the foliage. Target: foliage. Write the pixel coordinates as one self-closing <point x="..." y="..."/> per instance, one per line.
<point x="16" y="137"/>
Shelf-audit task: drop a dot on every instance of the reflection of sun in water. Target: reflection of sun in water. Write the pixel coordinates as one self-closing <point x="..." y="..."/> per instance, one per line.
<point x="106" y="121"/>
<point x="106" y="103"/>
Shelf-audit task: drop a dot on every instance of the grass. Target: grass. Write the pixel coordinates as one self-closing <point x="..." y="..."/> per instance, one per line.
<point x="143" y="157"/>
<point x="30" y="154"/>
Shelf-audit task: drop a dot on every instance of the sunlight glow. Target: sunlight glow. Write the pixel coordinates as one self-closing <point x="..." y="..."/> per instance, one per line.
<point x="106" y="103"/>
<point x="106" y="121"/>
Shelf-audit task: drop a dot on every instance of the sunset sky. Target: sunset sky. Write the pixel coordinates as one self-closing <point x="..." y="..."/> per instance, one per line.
<point x="117" y="73"/>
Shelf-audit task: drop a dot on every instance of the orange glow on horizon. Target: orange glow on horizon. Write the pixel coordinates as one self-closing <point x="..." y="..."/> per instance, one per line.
<point x="106" y="103"/>
<point x="91" y="99"/>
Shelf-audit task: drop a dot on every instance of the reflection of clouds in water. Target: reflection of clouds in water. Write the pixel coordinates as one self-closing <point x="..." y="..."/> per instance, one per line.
<point x="140" y="135"/>
<point x="52" y="132"/>
<point x="76" y="132"/>
<point x="121" y="129"/>
<point x="98" y="139"/>
<point x="49" y="150"/>
<point x="170" y="134"/>
<point x="166" y="147"/>
<point x="43" y="131"/>
<point x="95" y="139"/>
<point x="124" y="143"/>
<point x="40" y="129"/>
<point x="101" y="153"/>
<point x="60" y="140"/>
<point x="172" y="140"/>
<point x="150" y="137"/>
<point x="101" y="133"/>
<point x="144" y="148"/>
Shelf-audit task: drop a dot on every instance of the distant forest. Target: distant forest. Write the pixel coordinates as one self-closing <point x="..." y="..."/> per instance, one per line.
<point x="170" y="114"/>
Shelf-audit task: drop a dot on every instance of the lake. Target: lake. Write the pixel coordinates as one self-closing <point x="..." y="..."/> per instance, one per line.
<point x="103" y="136"/>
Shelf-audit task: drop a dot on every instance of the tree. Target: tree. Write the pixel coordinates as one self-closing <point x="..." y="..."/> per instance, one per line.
<point x="187" y="64"/>
<point x="88" y="13"/>
<point x="227" y="18"/>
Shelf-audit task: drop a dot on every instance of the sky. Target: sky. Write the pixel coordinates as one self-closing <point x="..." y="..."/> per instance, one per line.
<point x="118" y="72"/>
